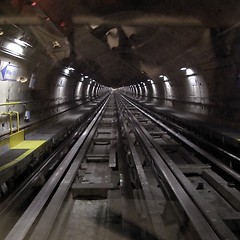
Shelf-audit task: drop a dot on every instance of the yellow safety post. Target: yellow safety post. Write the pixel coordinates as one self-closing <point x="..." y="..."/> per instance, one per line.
<point x="18" y="119"/>
<point x="10" y="119"/>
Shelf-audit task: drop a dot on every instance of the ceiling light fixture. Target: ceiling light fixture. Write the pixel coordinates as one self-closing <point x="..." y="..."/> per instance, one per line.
<point x="23" y="41"/>
<point x="165" y="78"/>
<point x="71" y="69"/>
<point x="189" y="72"/>
<point x="15" y="48"/>
<point x="183" y="69"/>
<point x="68" y="70"/>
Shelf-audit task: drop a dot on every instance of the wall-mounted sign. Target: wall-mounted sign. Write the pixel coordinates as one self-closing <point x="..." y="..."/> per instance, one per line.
<point x="8" y="71"/>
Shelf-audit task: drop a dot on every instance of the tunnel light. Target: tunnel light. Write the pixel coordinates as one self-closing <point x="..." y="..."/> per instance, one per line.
<point x="191" y="77"/>
<point x="71" y="69"/>
<point x="86" y="76"/>
<point x="15" y="48"/>
<point x="22" y="43"/>
<point x="183" y="69"/>
<point x="165" y="78"/>
<point x="150" y="80"/>
<point x="189" y="72"/>
<point x="66" y="71"/>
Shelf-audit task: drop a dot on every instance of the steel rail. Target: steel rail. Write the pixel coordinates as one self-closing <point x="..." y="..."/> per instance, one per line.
<point x="24" y="191"/>
<point x="7" y="204"/>
<point x="229" y="155"/>
<point x="146" y="191"/>
<point x="46" y="222"/>
<point x="194" y="147"/>
<point x="210" y="214"/>
<point x="222" y="151"/>
<point x="24" y="224"/>
<point x="49" y="163"/>
<point x="201" y="226"/>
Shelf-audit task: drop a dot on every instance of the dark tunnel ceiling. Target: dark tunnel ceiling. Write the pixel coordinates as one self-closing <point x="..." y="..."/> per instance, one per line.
<point x="124" y="42"/>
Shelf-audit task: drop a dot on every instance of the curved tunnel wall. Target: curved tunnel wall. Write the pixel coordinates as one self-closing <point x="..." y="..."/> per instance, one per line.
<point x="186" y="91"/>
<point x="187" y="87"/>
<point x="35" y="89"/>
<point x="203" y="81"/>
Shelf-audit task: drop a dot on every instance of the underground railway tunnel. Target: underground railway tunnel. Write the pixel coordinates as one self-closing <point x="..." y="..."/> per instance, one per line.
<point x="119" y="119"/>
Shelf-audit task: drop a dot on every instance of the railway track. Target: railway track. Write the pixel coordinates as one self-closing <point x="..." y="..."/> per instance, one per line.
<point x="25" y="189"/>
<point x="173" y="157"/>
<point x="128" y="176"/>
<point x="17" y="163"/>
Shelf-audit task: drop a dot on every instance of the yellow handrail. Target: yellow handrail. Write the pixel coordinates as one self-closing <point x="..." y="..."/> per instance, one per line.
<point x="10" y="103"/>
